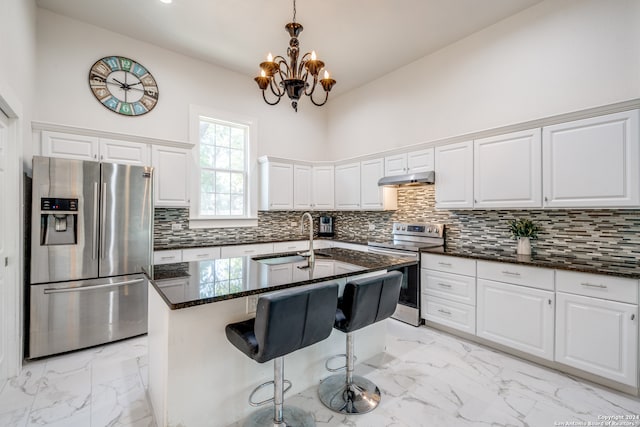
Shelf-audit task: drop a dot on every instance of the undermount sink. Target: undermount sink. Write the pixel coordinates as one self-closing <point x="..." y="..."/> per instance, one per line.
<point x="290" y="259"/>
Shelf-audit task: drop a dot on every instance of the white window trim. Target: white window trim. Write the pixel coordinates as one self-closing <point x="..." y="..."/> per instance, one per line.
<point x="197" y="221"/>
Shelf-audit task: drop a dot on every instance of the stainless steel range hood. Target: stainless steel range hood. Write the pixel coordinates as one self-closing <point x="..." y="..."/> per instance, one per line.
<point x="421" y="178"/>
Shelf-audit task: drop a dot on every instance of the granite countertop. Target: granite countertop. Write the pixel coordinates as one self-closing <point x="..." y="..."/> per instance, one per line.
<point x="188" y="284"/>
<point x="624" y="267"/>
<point x="200" y="243"/>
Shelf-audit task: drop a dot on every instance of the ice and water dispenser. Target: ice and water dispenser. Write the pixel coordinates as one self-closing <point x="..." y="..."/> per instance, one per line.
<point x="58" y="221"/>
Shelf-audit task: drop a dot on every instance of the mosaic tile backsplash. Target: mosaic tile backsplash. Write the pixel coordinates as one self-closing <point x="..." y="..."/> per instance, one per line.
<point x="609" y="234"/>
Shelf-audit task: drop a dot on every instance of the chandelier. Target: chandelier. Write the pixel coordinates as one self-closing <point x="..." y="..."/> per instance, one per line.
<point x="293" y="78"/>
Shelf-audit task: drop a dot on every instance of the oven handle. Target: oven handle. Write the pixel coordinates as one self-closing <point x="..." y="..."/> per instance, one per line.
<point x="393" y="252"/>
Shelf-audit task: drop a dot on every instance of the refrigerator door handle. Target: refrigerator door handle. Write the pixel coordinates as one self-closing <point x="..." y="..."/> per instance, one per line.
<point x="95" y="220"/>
<point x="103" y="219"/>
<point x="91" y="288"/>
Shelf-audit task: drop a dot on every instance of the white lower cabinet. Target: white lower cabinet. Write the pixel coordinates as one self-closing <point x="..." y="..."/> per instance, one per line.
<point x="597" y="325"/>
<point x="167" y="256"/>
<point x="449" y="313"/>
<point x="598" y="336"/>
<point x="200" y="254"/>
<point x="449" y="292"/>
<point x="516" y="316"/>
<point x="244" y="250"/>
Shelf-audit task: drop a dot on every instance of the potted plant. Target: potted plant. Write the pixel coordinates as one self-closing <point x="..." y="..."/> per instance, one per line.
<point x="524" y="230"/>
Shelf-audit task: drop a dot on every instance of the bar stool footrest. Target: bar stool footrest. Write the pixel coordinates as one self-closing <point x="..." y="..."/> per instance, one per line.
<point x="293" y="416"/>
<point x="334" y="357"/>
<point x="287" y="386"/>
<point x="359" y="397"/>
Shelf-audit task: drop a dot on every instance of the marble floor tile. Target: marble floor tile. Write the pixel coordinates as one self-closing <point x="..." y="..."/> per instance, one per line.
<point x="426" y="377"/>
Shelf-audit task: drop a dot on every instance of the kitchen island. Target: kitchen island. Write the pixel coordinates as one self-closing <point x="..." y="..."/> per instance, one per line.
<point x="196" y="377"/>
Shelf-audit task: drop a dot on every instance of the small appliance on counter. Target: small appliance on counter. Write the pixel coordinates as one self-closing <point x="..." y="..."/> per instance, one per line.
<point x="325" y="226"/>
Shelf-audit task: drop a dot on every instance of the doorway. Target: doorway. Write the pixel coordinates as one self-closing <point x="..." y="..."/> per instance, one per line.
<point x="10" y="288"/>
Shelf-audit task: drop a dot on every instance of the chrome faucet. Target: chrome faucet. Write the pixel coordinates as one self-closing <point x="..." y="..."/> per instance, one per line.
<point x="310" y="254"/>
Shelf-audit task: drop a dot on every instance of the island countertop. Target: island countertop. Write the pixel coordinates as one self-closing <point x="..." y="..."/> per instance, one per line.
<point x="189" y="284"/>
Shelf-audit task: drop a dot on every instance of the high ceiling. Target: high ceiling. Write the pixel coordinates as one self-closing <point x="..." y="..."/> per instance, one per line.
<point x="359" y="40"/>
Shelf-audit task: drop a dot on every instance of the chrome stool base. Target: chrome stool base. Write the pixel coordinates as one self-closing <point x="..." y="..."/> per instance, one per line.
<point x="359" y="397"/>
<point x="292" y="417"/>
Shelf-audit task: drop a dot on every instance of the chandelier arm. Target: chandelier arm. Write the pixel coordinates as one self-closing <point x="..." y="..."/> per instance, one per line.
<point x="282" y="62"/>
<point x="274" y="88"/>
<point x="326" y="97"/>
<point x="313" y="87"/>
<point x="271" y="103"/>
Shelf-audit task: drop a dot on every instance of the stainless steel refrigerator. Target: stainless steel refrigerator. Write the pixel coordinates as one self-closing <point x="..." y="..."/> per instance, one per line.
<point x="91" y="234"/>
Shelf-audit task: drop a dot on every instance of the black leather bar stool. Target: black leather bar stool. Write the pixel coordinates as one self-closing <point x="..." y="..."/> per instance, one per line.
<point x="364" y="302"/>
<point x="285" y="321"/>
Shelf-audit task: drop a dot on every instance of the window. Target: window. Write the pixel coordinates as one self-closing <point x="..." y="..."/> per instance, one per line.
<point x="224" y="189"/>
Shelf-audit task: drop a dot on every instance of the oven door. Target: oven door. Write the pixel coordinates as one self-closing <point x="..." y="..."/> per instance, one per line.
<point x="408" y="309"/>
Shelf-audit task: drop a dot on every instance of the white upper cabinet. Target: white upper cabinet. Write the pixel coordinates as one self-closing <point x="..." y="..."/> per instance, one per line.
<point x="82" y="147"/>
<point x="412" y="162"/>
<point x="171" y="175"/>
<point x="420" y="161"/>
<point x="276" y="186"/>
<point x="592" y="163"/>
<point x="124" y="152"/>
<point x="508" y="171"/>
<point x="70" y="146"/>
<point x="302" y="195"/>
<point x="323" y="183"/>
<point x="454" y="176"/>
<point x="347" y="186"/>
<point x="372" y="196"/>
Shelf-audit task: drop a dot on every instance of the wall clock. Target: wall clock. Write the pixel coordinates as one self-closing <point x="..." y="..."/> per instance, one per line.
<point x="123" y="86"/>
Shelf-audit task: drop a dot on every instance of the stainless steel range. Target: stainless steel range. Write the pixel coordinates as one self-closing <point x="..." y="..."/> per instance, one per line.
<point x="408" y="240"/>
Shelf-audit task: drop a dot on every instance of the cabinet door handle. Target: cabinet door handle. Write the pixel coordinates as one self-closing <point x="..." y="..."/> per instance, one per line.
<point x="633" y="316"/>
<point x="444" y="285"/>
<point x="446" y="264"/>
<point x="549" y="301"/>
<point x="511" y="273"/>
<point x="591" y="285"/>
<point x="448" y="313"/>
<point x="546" y="199"/>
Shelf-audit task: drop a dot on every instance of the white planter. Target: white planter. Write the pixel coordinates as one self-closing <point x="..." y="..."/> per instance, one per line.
<point x="524" y="246"/>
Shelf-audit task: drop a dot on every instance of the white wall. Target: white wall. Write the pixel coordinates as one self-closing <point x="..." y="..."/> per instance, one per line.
<point x="553" y="58"/>
<point x="68" y="48"/>
<point x="17" y="50"/>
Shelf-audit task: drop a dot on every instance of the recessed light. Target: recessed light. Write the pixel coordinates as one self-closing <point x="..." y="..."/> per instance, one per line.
<point x="166" y="1"/>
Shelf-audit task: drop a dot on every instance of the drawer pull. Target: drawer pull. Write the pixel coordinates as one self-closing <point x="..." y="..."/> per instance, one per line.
<point x="448" y="313"/>
<point x="445" y="285"/>
<point x="511" y="273"/>
<point x="591" y="285"/>
<point x="202" y="255"/>
<point x="168" y="257"/>
<point x="446" y="264"/>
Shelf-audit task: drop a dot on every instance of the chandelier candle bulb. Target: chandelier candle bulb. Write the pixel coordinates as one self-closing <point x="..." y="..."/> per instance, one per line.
<point x="262" y="80"/>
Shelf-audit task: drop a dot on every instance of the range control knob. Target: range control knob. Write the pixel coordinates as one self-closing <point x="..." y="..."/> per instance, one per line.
<point x="429" y="230"/>
<point x="404" y="228"/>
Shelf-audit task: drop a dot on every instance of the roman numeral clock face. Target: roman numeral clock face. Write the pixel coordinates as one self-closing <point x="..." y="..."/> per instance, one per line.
<point x="123" y="86"/>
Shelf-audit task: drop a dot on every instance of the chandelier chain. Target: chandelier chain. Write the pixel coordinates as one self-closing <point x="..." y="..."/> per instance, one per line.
<point x="294" y="10"/>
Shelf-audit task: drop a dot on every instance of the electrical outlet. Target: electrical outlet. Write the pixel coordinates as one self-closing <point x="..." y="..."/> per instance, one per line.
<point x="176" y="227"/>
<point x="252" y="304"/>
<point x="372" y="227"/>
